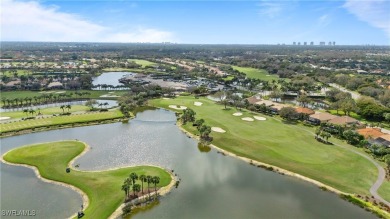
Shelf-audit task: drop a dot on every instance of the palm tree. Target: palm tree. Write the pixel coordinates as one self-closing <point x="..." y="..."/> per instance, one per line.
<point x="125" y="188"/>
<point x="155" y="181"/>
<point x="63" y="108"/>
<point x="148" y="180"/>
<point x="105" y="104"/>
<point x="143" y="179"/>
<point x="26" y="111"/>
<point x="133" y="177"/>
<point x="128" y="184"/>
<point x="69" y="107"/>
<point x="136" y="188"/>
<point x="32" y="111"/>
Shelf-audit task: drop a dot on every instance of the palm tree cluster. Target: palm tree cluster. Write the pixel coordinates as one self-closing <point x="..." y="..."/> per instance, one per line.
<point x="130" y="184"/>
<point x="204" y="130"/>
<point x="63" y="107"/>
<point x="188" y="116"/>
<point x="42" y="99"/>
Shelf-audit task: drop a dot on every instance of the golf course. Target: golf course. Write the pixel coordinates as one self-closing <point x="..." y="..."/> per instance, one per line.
<point x="288" y="146"/>
<point x="102" y="188"/>
<point x="60" y="120"/>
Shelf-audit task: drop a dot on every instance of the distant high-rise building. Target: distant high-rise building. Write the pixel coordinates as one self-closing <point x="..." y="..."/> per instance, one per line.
<point x="294" y="43"/>
<point x="305" y="43"/>
<point x="322" y="43"/>
<point x="334" y="43"/>
<point x="311" y="43"/>
<point x="299" y="43"/>
<point x="330" y="43"/>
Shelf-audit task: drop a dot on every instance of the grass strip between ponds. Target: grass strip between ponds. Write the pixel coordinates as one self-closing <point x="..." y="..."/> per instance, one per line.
<point x="103" y="188"/>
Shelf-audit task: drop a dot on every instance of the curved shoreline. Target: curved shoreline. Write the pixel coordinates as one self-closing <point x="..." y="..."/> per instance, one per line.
<point x="84" y="196"/>
<point x="275" y="168"/>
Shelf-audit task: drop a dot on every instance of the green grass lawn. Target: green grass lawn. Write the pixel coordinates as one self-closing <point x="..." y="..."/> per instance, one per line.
<point x="291" y="147"/>
<point x="103" y="188"/>
<point x="95" y="94"/>
<point x="142" y="62"/>
<point x="45" y="111"/>
<point x="256" y="73"/>
<point x="11" y="74"/>
<point x="59" y="120"/>
<point x="228" y="78"/>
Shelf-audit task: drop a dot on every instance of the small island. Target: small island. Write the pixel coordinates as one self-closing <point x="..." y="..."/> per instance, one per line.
<point x="98" y="188"/>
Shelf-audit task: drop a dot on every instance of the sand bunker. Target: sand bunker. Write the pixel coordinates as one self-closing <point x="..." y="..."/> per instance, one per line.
<point x="198" y="103"/>
<point x="108" y="95"/>
<point x="249" y="119"/>
<point x="176" y="107"/>
<point x="60" y="92"/>
<point x="237" y="114"/>
<point x="4" y="117"/>
<point x="166" y="98"/>
<point x="259" y="118"/>
<point x="217" y="129"/>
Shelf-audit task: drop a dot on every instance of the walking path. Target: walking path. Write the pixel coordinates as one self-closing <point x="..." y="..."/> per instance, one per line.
<point x="354" y="95"/>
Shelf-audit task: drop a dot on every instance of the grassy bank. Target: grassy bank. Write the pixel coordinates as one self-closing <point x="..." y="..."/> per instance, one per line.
<point x="45" y="111"/>
<point x="291" y="147"/>
<point x="103" y="188"/>
<point x="59" y="120"/>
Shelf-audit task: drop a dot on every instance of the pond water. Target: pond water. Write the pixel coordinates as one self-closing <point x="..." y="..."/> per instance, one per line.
<point x="110" y="78"/>
<point x="212" y="186"/>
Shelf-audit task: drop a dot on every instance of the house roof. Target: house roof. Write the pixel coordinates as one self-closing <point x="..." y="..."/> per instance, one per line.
<point x="324" y="117"/>
<point x="304" y="110"/>
<point x="385" y="137"/>
<point x="343" y="120"/>
<point x="370" y="132"/>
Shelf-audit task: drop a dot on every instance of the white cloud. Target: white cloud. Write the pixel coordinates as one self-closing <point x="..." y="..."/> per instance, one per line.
<point x="324" y="20"/>
<point x="31" y="21"/>
<point x="376" y="12"/>
<point x="270" y="9"/>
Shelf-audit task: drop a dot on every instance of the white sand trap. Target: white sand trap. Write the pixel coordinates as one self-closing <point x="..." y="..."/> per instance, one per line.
<point x="60" y="92"/>
<point x="4" y="117"/>
<point x="217" y="129"/>
<point x="108" y="95"/>
<point x="259" y="118"/>
<point x="198" y="103"/>
<point x="166" y="98"/>
<point x="237" y="114"/>
<point x="175" y="107"/>
<point x="249" y="119"/>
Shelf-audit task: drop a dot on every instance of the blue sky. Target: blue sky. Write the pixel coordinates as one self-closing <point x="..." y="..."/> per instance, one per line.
<point x="349" y="22"/>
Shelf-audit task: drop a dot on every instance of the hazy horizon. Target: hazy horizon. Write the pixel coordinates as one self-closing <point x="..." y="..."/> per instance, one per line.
<point x="349" y="22"/>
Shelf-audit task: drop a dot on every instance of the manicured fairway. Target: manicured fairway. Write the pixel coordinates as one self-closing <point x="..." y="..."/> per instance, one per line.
<point x="291" y="147"/>
<point x="59" y="120"/>
<point x="256" y="73"/>
<point x="45" y="111"/>
<point x="142" y="62"/>
<point x="103" y="188"/>
<point x="95" y="94"/>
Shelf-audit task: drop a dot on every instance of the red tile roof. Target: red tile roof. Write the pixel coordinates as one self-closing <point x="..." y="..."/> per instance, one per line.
<point x="370" y="132"/>
<point x="304" y="110"/>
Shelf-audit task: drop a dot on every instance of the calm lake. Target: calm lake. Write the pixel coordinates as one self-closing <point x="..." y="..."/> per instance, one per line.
<point x="110" y="78"/>
<point x="212" y="186"/>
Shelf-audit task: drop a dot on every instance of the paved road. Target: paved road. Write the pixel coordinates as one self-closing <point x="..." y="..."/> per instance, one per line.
<point x="354" y="95"/>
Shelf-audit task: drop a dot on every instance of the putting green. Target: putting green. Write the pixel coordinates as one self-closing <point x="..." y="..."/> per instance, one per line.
<point x="103" y="188"/>
<point x="291" y="147"/>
